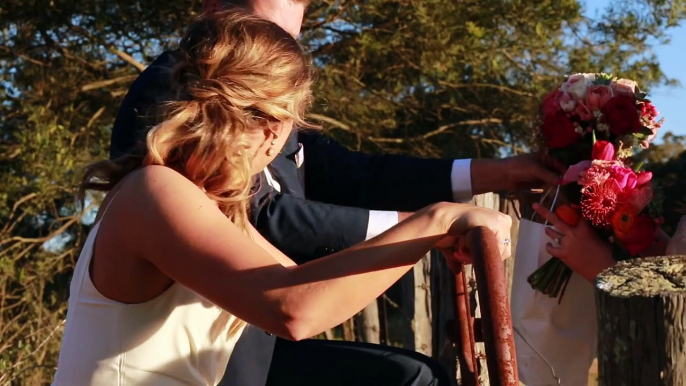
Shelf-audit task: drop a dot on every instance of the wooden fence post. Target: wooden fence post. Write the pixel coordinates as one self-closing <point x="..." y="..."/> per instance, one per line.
<point x="349" y="330"/>
<point x="367" y="323"/>
<point x="642" y="322"/>
<point x="422" y="321"/>
<point x="443" y="311"/>
<point x="511" y="208"/>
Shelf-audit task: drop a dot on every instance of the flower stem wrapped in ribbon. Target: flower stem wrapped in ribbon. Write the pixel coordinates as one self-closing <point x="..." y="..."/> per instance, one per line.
<point x="593" y="123"/>
<point x="553" y="276"/>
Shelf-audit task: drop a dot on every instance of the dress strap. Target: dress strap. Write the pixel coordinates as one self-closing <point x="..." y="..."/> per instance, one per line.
<point x="83" y="263"/>
<point x="104" y="211"/>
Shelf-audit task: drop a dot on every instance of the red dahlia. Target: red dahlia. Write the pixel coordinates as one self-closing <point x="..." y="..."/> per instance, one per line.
<point x="599" y="202"/>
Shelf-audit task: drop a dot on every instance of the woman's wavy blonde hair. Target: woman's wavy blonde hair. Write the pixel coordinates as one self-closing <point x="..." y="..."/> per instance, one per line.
<point x="237" y="74"/>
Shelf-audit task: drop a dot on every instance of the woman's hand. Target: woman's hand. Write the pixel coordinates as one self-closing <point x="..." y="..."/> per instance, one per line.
<point x="463" y="218"/>
<point x="579" y="246"/>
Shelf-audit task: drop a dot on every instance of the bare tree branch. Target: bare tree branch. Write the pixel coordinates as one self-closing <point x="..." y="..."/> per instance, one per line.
<point x="108" y="82"/>
<point x="95" y="117"/>
<point x="487" y="85"/>
<point x="129" y="59"/>
<point x="15" y="206"/>
<point x="469" y="122"/>
<point x="329" y="120"/>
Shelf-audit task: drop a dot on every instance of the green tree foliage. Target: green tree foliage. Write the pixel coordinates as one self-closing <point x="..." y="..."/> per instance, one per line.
<point x="464" y="78"/>
<point x="430" y="77"/>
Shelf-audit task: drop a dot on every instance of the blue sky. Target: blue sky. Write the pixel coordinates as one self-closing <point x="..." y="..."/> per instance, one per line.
<point x="668" y="100"/>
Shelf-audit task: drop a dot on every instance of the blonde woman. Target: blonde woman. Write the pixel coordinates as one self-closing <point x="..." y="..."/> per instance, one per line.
<point x="172" y="271"/>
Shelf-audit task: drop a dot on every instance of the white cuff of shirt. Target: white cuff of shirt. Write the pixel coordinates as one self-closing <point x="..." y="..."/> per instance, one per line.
<point x="379" y="222"/>
<point x="461" y="180"/>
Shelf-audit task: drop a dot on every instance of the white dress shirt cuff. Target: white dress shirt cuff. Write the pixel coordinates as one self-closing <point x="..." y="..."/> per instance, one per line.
<point x="379" y="222"/>
<point x="461" y="180"/>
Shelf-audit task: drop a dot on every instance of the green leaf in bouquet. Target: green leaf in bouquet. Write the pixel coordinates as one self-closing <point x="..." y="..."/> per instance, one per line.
<point x="638" y="166"/>
<point x="625" y="147"/>
<point x="594" y="138"/>
<point x="636" y="138"/>
<point x="603" y="79"/>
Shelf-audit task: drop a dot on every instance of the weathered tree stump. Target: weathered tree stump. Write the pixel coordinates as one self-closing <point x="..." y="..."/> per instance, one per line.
<point x="642" y="322"/>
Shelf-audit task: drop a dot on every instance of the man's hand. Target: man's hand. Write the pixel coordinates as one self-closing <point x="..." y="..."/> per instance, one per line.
<point x="523" y="172"/>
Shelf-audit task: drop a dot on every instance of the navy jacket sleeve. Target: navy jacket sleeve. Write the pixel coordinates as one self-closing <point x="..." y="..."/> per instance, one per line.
<point x="384" y="182"/>
<point x="306" y="230"/>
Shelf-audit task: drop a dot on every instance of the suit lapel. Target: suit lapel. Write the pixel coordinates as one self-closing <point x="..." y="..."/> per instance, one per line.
<point x="285" y="169"/>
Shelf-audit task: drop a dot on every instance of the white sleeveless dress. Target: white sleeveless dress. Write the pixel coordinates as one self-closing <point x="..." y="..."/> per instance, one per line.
<point x="178" y="338"/>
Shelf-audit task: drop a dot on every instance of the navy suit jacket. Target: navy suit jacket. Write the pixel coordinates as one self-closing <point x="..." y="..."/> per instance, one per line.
<point x="323" y="204"/>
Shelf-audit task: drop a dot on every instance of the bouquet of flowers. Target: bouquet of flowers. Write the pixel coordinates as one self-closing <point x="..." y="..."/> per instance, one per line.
<point x="593" y="123"/>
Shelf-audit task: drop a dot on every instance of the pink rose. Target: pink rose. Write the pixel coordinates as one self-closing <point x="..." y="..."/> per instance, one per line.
<point x="603" y="151"/>
<point x="582" y="110"/>
<point x="624" y="86"/>
<point x="597" y="97"/>
<point x="625" y="177"/>
<point x="574" y="172"/>
<point x="577" y="85"/>
<point x="640" y="236"/>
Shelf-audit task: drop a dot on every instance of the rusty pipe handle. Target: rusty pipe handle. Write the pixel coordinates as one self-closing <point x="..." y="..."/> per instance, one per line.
<point x="498" y="333"/>
<point x="467" y="358"/>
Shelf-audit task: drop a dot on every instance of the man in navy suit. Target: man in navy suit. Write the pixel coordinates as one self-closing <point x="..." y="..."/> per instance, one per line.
<point x="320" y="198"/>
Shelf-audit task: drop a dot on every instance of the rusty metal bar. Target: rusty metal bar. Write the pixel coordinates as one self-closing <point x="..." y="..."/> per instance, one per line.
<point x="467" y="354"/>
<point x="496" y="321"/>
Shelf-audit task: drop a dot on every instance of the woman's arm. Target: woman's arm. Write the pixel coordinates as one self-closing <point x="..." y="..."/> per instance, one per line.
<point x="179" y="230"/>
<point x="279" y="256"/>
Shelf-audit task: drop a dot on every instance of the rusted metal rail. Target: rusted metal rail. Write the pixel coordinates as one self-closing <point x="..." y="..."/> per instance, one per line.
<point x="495" y="326"/>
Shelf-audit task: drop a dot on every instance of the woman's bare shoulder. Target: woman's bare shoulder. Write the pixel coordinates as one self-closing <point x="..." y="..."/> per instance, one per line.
<point x="154" y="188"/>
<point x="161" y="183"/>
